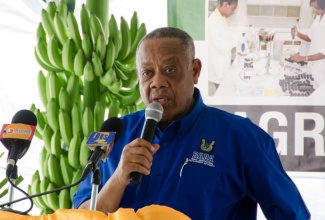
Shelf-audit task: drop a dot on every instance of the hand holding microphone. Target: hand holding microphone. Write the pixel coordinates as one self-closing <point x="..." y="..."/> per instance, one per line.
<point x="153" y="114"/>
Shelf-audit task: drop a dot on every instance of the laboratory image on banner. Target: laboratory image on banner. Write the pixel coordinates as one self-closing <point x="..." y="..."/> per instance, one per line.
<point x="256" y="65"/>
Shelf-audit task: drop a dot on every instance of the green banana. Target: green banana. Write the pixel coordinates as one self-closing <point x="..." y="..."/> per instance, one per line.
<point x="40" y="121"/>
<point x="65" y="126"/>
<point x="60" y="28"/>
<point x="88" y="72"/>
<point x="56" y="148"/>
<point x="66" y="170"/>
<point x="42" y="158"/>
<point x="41" y="55"/>
<point x="114" y="34"/>
<point x="47" y="22"/>
<point x="113" y="108"/>
<point x="86" y="45"/>
<point x="73" y="28"/>
<point x="41" y="85"/>
<point x="64" y="199"/>
<point x="115" y="86"/>
<point x="79" y="63"/>
<point x="54" y="170"/>
<point x="84" y="19"/>
<point x="62" y="9"/>
<point x="96" y="28"/>
<point x="134" y="23"/>
<point x="73" y="89"/>
<point x="97" y="65"/>
<point x="84" y="152"/>
<point x="52" y="198"/>
<point x="64" y="99"/>
<point x="54" y="85"/>
<point x="76" y="120"/>
<point x="51" y="8"/>
<point x="43" y="187"/>
<point x="100" y="46"/>
<point x="109" y="56"/>
<point x="119" y="73"/>
<point x="99" y="113"/>
<point x="68" y="56"/>
<point x="41" y="63"/>
<point x="40" y="32"/>
<point x="76" y="177"/>
<point x="87" y="121"/>
<point x="52" y="109"/>
<point x="130" y="59"/>
<point x="53" y="52"/>
<point x="35" y="189"/>
<point x="73" y="152"/>
<point x="131" y="99"/>
<point x="132" y="80"/>
<point x="47" y="135"/>
<point x="125" y="39"/>
<point x="107" y="78"/>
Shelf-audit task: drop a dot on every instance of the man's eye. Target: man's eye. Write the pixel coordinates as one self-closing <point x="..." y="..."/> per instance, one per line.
<point x="170" y="70"/>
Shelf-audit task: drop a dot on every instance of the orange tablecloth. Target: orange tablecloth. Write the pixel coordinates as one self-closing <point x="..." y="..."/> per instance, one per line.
<point x="153" y="212"/>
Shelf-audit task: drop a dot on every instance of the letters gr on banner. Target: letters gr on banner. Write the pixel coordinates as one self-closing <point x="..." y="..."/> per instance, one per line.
<point x="298" y="132"/>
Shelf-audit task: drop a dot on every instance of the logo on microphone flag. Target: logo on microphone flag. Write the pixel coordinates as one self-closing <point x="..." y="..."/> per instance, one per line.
<point x="103" y="139"/>
<point x="17" y="131"/>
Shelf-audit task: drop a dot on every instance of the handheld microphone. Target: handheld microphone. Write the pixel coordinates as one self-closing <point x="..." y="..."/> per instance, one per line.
<point x="17" y="136"/>
<point x="102" y="150"/>
<point x="153" y="114"/>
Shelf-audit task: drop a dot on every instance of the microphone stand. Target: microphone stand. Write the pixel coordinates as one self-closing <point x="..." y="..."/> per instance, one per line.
<point x="13" y="178"/>
<point x="95" y="183"/>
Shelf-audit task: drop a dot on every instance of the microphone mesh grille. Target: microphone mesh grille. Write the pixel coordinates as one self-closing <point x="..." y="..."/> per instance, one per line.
<point x="154" y="111"/>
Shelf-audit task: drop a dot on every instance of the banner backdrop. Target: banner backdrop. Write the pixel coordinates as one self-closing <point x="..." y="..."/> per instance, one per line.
<point x="279" y="96"/>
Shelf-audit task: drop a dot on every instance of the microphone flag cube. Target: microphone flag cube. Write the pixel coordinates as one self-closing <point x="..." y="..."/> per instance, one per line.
<point x="17" y="131"/>
<point x="104" y="140"/>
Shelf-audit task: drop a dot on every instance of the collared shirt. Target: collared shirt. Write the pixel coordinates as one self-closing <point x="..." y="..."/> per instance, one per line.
<point x="211" y="165"/>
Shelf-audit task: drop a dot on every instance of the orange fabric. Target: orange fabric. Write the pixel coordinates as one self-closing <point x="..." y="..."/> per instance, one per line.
<point x="153" y="212"/>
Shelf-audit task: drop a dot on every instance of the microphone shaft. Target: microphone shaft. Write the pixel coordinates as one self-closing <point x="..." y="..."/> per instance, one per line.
<point x="148" y="132"/>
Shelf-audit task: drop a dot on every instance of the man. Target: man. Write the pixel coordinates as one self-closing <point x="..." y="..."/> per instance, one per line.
<point x="221" y="40"/>
<point x="316" y="37"/>
<point x="204" y="162"/>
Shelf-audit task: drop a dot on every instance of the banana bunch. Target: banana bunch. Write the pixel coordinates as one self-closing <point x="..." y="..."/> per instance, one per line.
<point x="87" y="75"/>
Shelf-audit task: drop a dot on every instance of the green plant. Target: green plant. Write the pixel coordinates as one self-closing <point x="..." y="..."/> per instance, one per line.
<point x="87" y="74"/>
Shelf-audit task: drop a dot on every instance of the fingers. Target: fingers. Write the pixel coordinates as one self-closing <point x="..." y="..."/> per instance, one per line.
<point x="137" y="156"/>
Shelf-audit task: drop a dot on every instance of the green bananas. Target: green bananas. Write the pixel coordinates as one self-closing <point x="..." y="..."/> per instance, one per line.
<point x="87" y="74"/>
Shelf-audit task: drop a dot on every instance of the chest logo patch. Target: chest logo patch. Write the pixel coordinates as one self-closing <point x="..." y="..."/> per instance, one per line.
<point x="207" y="147"/>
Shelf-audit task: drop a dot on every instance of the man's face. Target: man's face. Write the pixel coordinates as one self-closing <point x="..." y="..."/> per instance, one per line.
<point x="230" y="9"/>
<point x="316" y="8"/>
<point x="167" y="76"/>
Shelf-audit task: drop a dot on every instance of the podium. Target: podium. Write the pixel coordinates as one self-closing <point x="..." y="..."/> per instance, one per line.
<point x="152" y="212"/>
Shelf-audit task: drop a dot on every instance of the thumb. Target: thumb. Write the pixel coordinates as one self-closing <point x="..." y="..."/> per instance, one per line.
<point x="155" y="148"/>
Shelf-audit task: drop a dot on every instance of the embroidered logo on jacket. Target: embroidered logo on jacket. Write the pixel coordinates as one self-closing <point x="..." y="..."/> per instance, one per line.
<point x="204" y="156"/>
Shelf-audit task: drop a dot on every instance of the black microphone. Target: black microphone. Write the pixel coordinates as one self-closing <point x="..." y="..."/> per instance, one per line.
<point x="20" y="132"/>
<point x="154" y="112"/>
<point x="112" y="124"/>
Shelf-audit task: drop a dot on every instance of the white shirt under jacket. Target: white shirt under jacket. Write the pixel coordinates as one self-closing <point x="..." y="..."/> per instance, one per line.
<point x="317" y="45"/>
<point x="221" y="39"/>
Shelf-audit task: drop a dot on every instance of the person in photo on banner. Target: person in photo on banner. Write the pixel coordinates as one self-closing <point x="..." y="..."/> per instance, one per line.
<point x="204" y="162"/>
<point x="221" y="40"/>
<point x="316" y="36"/>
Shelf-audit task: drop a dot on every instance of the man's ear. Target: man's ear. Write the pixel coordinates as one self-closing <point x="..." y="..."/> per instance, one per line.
<point x="196" y="68"/>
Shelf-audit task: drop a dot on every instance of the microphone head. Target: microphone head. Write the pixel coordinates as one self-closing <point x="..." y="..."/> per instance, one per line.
<point x="18" y="146"/>
<point x="154" y="111"/>
<point x="113" y="124"/>
<point x="24" y="116"/>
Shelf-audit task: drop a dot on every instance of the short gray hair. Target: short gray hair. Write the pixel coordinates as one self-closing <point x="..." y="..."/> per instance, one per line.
<point x="171" y="32"/>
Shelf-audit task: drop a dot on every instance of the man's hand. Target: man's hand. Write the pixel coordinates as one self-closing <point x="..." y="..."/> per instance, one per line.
<point x="136" y="157"/>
